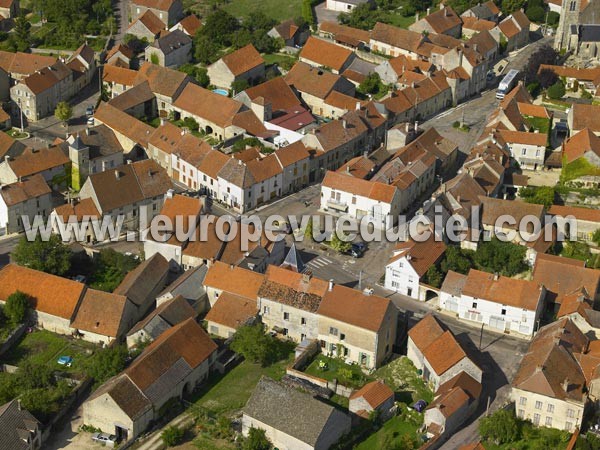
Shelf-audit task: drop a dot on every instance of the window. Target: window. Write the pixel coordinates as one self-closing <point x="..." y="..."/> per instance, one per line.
<point x="285" y="331"/>
<point x="474" y="305"/>
<point x="333" y="331"/>
<point x="572" y="6"/>
<point x="503" y="312"/>
<point x="521" y="413"/>
<point x="265" y="310"/>
<point x="570" y="413"/>
<point x="323" y="343"/>
<point x="214" y="330"/>
<point x="536" y="419"/>
<point x="395" y="284"/>
<point x="523" y="152"/>
<point x="523" y="401"/>
<point x="548" y="421"/>
<point x="550" y="408"/>
<point x="286" y="316"/>
<point x="354" y="200"/>
<point x="302" y="321"/>
<point x="538" y="405"/>
<point x="568" y="426"/>
<point x="342" y="336"/>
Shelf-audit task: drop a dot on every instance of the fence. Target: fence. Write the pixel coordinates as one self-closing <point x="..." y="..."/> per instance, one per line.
<point x="13" y="338"/>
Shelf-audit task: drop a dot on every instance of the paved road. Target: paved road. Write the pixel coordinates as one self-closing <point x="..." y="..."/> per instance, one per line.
<point x="122" y="16"/>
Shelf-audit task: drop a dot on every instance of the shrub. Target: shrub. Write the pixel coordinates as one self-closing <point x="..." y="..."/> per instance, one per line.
<point x="172" y="436"/>
<point x="556" y="91"/>
<point x="16" y="307"/>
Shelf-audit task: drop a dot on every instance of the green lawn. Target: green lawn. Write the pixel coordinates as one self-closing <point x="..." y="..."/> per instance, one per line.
<point x="401" y="375"/>
<point x="275" y="9"/>
<point x="351" y="376"/>
<point x="229" y="393"/>
<point x="394" y="434"/>
<point x="539" y="123"/>
<point x="44" y="347"/>
<point x="208" y="443"/>
<point x="400" y="21"/>
<point x="284" y="61"/>
<point x="578" y="168"/>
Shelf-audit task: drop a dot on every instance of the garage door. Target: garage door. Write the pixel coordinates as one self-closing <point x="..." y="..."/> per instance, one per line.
<point x="452" y="305"/>
<point x="498" y="323"/>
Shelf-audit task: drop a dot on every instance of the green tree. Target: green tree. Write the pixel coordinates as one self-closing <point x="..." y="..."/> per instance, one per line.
<point x="110" y="267"/>
<point x="34" y="376"/>
<point x="22" y="33"/>
<point x="501" y="427"/>
<point x="596" y="237"/>
<point x="308" y="232"/>
<point x="63" y="112"/>
<point x="51" y="256"/>
<point x="510" y="6"/>
<point x="502" y="257"/>
<point x="206" y="50"/>
<point x="536" y="13"/>
<point x="16" y="307"/>
<point x="201" y="76"/>
<point x="239" y="85"/>
<point x="433" y="277"/>
<point x="154" y="59"/>
<point x="172" y="436"/>
<point x="256" y="440"/>
<point x="107" y="363"/>
<point x="371" y="84"/>
<point x="557" y="90"/>
<point x="456" y="260"/>
<point x="543" y="195"/>
<point x="220" y="27"/>
<point x="339" y="244"/>
<point x="255" y="345"/>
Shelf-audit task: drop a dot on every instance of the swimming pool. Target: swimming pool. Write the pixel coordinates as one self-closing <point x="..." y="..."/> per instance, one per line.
<point x="223" y="92"/>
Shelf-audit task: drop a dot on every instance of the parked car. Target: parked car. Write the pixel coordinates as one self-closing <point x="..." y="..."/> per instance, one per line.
<point x="105" y="438"/>
<point x="65" y="360"/>
<point x="91" y="121"/>
<point x="419" y="405"/>
<point x="89" y="111"/>
<point x="357" y="249"/>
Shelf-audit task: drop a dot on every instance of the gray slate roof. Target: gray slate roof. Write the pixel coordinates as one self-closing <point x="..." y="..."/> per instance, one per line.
<point x="294" y="260"/>
<point x="290" y="411"/>
<point x="15" y="424"/>
<point x="189" y="285"/>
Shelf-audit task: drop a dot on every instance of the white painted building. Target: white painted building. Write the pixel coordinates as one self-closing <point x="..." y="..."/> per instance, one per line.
<point x="344" y="194"/>
<point x="344" y="5"/>
<point x="503" y="304"/>
<point x="528" y="149"/>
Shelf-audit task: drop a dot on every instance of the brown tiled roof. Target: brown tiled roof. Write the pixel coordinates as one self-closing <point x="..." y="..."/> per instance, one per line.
<point x="276" y="92"/>
<point x="293" y="289"/>
<point x="206" y="104"/>
<point x="243" y="60"/>
<point x="101" y="313"/>
<point x="52" y="295"/>
<point x="150" y="21"/>
<point x="506" y="291"/>
<point x="126" y="395"/>
<point x="24" y="63"/>
<point x="375" y="393"/>
<point x="369" y="189"/>
<point x="325" y="53"/>
<point x="311" y="80"/>
<point x="444" y="353"/>
<point x="550" y="364"/>
<point x="586" y="214"/>
<point x="120" y="48"/>
<point x="453" y="283"/>
<point x="181" y="205"/>
<point x="212" y="164"/>
<point x="193" y="150"/>
<point x="166" y="137"/>
<point x="191" y="24"/>
<point x="249" y="122"/>
<point x="236" y="280"/>
<point x="232" y="310"/>
<point x="455" y="393"/>
<point x="426" y="331"/>
<point x="562" y="276"/>
<point x="522" y="137"/>
<point x="352" y="307"/>
<point x="443" y="20"/>
<point x="133" y="97"/>
<point x="342" y="101"/>
<point x="579" y="144"/>
<point x="527" y="109"/>
<point x="135" y="182"/>
<point x="397" y="37"/>
<point x="119" y="75"/>
<point x="100" y="140"/>
<point x="345" y="34"/>
<point x="31" y="162"/>
<point x="582" y="74"/>
<point x="26" y="189"/>
<point x="123" y="123"/>
<point x="334" y="134"/>
<point x="186" y="341"/>
<point x="162" y="80"/>
<point x="422" y="254"/>
<point x="162" y="5"/>
<point x="575" y="302"/>
<point x="359" y="167"/>
<point x="287" y="30"/>
<point x="139" y="283"/>
<point x="292" y="153"/>
<point x="264" y="168"/>
<point x="473" y="23"/>
<point x="493" y="208"/>
<point x="85" y="207"/>
<point x="47" y="77"/>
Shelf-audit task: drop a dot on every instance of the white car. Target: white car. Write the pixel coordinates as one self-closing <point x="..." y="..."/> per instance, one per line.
<point x="105" y="438"/>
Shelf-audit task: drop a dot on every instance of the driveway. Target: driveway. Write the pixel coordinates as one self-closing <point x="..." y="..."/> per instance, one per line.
<point x="121" y="13"/>
<point x="69" y="437"/>
<point x="325" y="15"/>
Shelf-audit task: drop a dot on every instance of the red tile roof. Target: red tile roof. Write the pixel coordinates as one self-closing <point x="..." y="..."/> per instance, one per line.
<point x="375" y="393"/>
<point x="229" y="278"/>
<point x="325" y="53"/>
<point x="243" y="60"/>
<point x="369" y="189"/>
<point x="232" y="310"/>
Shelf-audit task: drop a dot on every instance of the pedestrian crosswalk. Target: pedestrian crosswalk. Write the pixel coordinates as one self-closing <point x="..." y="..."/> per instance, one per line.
<point x="319" y="262"/>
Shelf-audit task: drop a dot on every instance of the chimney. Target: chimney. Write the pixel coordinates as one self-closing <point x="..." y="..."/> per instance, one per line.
<point x="306" y="278"/>
<point x="556" y="340"/>
<point x="347" y="169"/>
<point x="565" y="385"/>
<point x="416" y="126"/>
<point x="357" y="107"/>
<point x="458" y="198"/>
<point x="7" y="158"/>
<point x="475" y="47"/>
<point x="117" y="174"/>
<point x="344" y="123"/>
<point x="539" y="368"/>
<point x="330" y="285"/>
<point x="240" y="162"/>
<point x="407" y="127"/>
<point x="170" y="193"/>
<point x="496" y="276"/>
<point x="87" y="131"/>
<point x="163" y="121"/>
<point x="128" y="161"/>
<point x="365" y="154"/>
<point x="446" y="12"/>
<point x="417" y="17"/>
<point x="428" y="11"/>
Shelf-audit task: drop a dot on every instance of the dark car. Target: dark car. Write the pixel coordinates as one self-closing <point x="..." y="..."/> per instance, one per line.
<point x="89" y="111"/>
<point x="357" y="249"/>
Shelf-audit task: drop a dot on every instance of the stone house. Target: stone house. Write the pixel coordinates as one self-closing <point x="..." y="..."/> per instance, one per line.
<point x="528" y="149"/>
<point x="293" y="419"/>
<point x="167" y="11"/>
<point x="495" y="210"/>
<point x="223" y="277"/>
<point x="50" y="162"/>
<point x="288" y="303"/>
<point x="484" y="11"/>
<point x="513" y="30"/>
<point x="553" y="384"/>
<point x="230" y="312"/>
<point x="243" y="64"/>
<point x="76" y="211"/>
<point x="434" y="350"/>
<point x="9" y="9"/>
<point x="31" y="197"/>
<point x="289" y="33"/>
<point x="135" y="191"/>
<point x="343" y="5"/>
<point x="442" y="21"/>
<point x="584" y="145"/>
<point x="354" y="38"/>
<point x="132" y="134"/>
<point x="119" y="56"/>
<point x="117" y="80"/>
<point x="126" y="404"/>
<point x="170" y="50"/>
<point x="358" y="327"/>
<point x="190" y="286"/>
<point x="166" y="84"/>
<point x="190" y="25"/>
<point x="147" y="26"/>
<point x="320" y="53"/>
<point x="83" y="64"/>
<point x="295" y="162"/>
<point x="587" y="221"/>
<point x="373" y="396"/>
